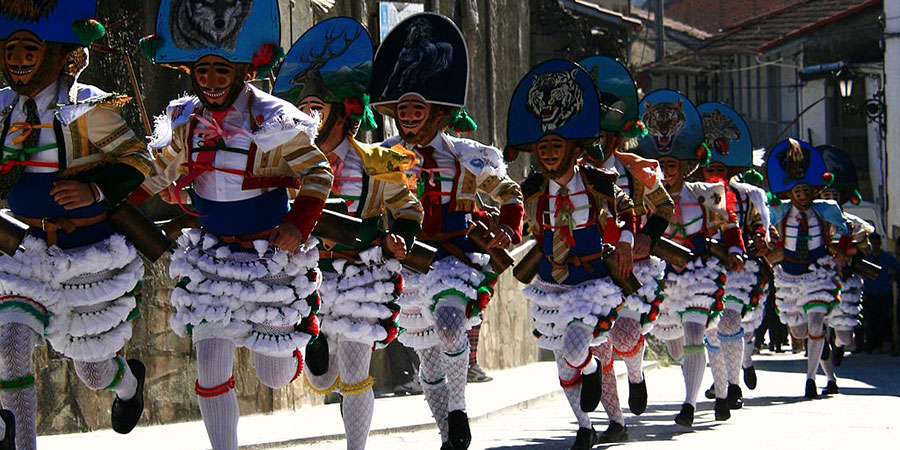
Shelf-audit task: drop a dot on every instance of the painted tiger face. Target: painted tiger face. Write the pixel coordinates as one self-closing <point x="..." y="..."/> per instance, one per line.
<point x="720" y="130"/>
<point x="555" y="98"/>
<point x="664" y="121"/>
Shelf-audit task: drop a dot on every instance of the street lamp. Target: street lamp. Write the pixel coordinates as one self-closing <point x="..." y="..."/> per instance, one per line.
<point x="845" y="83"/>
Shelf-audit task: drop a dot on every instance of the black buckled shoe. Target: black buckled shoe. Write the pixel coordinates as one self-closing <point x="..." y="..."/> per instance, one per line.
<point x="685" y="417"/>
<point x="711" y="392"/>
<point x="811" y="389"/>
<point x="459" y="434"/>
<point x="125" y="414"/>
<point x="750" y="377"/>
<point x="317" y="356"/>
<point x="735" y="397"/>
<point x="616" y="432"/>
<point x="591" y="389"/>
<point x="838" y="356"/>
<point x="9" y="439"/>
<point x="637" y="397"/>
<point x="831" y="388"/>
<point x="585" y="439"/>
<point x="722" y="411"/>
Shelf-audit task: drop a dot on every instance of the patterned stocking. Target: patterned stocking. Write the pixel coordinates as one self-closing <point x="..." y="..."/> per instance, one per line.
<point x="731" y="338"/>
<point x="359" y="400"/>
<point x="717" y="363"/>
<point x="215" y="360"/>
<point x="609" y="396"/>
<point x="573" y="394"/>
<point x="815" y="343"/>
<point x="748" y="350"/>
<point x="675" y="347"/>
<point x="694" y="361"/>
<point x="451" y="325"/>
<point x="329" y="378"/>
<point x="99" y="375"/>
<point x="628" y="344"/>
<point x="16" y="346"/>
<point x="434" y="384"/>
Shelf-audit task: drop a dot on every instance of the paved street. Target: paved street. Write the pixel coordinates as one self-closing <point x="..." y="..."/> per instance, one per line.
<point x="775" y="415"/>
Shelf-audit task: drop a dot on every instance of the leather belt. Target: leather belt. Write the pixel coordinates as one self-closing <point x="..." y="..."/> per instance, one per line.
<point x="51" y="225"/>
<point x="577" y="260"/>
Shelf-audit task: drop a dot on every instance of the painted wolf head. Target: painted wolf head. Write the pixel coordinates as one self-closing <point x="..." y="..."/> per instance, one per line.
<point x="208" y="23"/>
<point x="555" y="98"/>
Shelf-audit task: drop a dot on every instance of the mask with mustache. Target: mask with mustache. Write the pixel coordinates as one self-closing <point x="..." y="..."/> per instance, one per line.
<point x="47" y="65"/>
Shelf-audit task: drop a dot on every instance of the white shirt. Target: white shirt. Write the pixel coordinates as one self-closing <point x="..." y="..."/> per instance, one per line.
<point x="445" y="160"/>
<point x="217" y="185"/>
<point x="44" y="99"/>
<point x="792" y="228"/>
<point x="614" y="164"/>
<point x="580" y="201"/>
<point x="353" y="169"/>
<point x="691" y="213"/>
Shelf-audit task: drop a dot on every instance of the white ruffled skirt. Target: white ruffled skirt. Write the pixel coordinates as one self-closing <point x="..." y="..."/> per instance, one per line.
<point x="694" y="295"/>
<point x="264" y="300"/>
<point x="451" y="281"/>
<point x="81" y="299"/>
<point x="845" y="316"/>
<point x="359" y="299"/>
<point x="554" y="306"/>
<point x="815" y="290"/>
<point x="644" y="305"/>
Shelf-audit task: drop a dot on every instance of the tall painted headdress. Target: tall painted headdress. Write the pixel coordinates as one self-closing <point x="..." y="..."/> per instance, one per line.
<point x="331" y="61"/>
<point x="556" y="97"/>
<point x="425" y="55"/>
<point x="61" y="21"/>
<point x="726" y="134"/>
<point x="618" y="96"/>
<point x="673" y="127"/>
<point x="792" y="162"/>
<point x="844" y="177"/>
<point x="245" y="31"/>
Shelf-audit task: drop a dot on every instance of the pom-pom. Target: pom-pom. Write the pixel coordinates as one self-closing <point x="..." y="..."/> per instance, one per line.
<point x="266" y="58"/>
<point x="149" y="45"/>
<point x="510" y="153"/>
<point x="855" y="197"/>
<point x="752" y="176"/>
<point x="484" y="297"/>
<point x="88" y="31"/>
<point x="462" y="123"/>
<point x="704" y="155"/>
<point x="634" y="129"/>
<point x="828" y="179"/>
<point x="773" y="199"/>
<point x="595" y="152"/>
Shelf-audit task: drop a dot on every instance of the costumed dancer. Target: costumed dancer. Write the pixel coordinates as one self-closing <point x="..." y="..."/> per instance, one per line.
<point x="247" y="277"/>
<point x="845" y="317"/>
<point x="419" y="79"/>
<point x="574" y="299"/>
<point x="620" y="130"/>
<point x="68" y="156"/>
<point x="728" y="137"/>
<point x="695" y="293"/>
<point x="808" y="279"/>
<point x="327" y="74"/>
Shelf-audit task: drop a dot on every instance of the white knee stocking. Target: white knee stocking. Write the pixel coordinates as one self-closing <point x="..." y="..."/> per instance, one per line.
<point x="16" y="346"/>
<point x="356" y="386"/>
<point x="275" y="372"/>
<point x="628" y="343"/>
<point x="570" y="379"/>
<point x="694" y="361"/>
<point x="675" y="347"/>
<point x="104" y="374"/>
<point x="747" y="360"/>
<point x="434" y="385"/>
<point x="717" y="363"/>
<point x="609" y="396"/>
<point x="215" y="361"/>
<point x="451" y="325"/>
<point x="815" y="342"/>
<point x="731" y="338"/>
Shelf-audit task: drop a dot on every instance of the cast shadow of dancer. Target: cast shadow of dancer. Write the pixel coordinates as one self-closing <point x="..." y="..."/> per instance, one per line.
<point x="419" y="60"/>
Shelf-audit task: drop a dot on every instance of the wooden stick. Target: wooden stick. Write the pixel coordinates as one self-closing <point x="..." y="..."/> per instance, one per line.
<point x="137" y="95"/>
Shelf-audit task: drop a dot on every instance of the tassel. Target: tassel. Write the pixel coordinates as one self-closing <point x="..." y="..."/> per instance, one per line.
<point x="752" y="176"/>
<point x="773" y="200"/>
<point x="368" y="122"/>
<point x="462" y="123"/>
<point x="88" y="31"/>
<point x="828" y="179"/>
<point x="704" y="155"/>
<point x="149" y="45"/>
<point x="634" y="129"/>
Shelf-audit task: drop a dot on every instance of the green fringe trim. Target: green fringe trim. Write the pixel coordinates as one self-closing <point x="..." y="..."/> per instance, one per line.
<point x="694" y="349"/>
<point x="88" y="31"/>
<point x="462" y="123"/>
<point x="28" y="308"/>
<point x="17" y="384"/>
<point x="149" y="45"/>
<point x="120" y="373"/>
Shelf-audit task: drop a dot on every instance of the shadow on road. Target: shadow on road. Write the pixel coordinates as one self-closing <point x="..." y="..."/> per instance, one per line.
<point x="877" y="371"/>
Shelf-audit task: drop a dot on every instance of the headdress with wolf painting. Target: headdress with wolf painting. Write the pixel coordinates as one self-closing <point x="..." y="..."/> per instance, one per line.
<point x="332" y="61"/>
<point x="65" y="22"/>
<point x="673" y="127"/>
<point x="240" y="31"/>
<point x="843" y="172"/>
<point x="425" y="54"/>
<point x="726" y="134"/>
<point x="792" y="162"/>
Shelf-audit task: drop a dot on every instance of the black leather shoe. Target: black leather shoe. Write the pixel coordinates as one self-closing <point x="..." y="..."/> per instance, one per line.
<point x="637" y="397"/>
<point x="686" y="416"/>
<point x="711" y="392"/>
<point x="9" y="439"/>
<point x="591" y="389"/>
<point x="460" y="436"/>
<point x="126" y="414"/>
<point x="838" y="356"/>
<point x="586" y="439"/>
<point x="831" y="388"/>
<point x="722" y="411"/>
<point x="811" y="389"/>
<point x="446" y="446"/>
<point x="317" y="356"/>
<point x="750" y="377"/>
<point x="616" y="432"/>
<point x="735" y="397"/>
